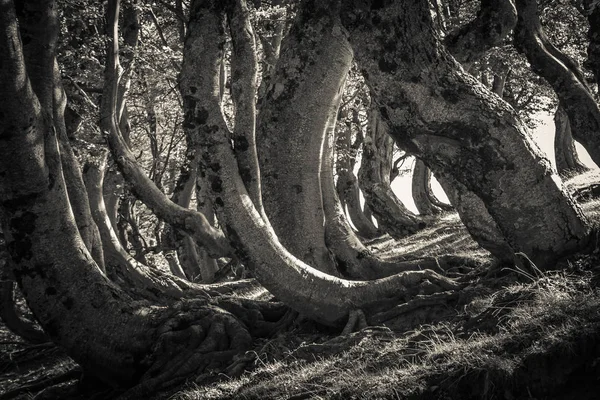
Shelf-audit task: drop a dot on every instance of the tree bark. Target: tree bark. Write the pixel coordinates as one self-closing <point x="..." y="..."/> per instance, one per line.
<point x="70" y="297"/>
<point x="347" y="183"/>
<point x="562" y="74"/>
<point x="494" y="21"/>
<point x="244" y="67"/>
<point x="421" y="189"/>
<point x="354" y="260"/>
<point x="393" y="217"/>
<point x="309" y="291"/>
<point x="476" y="218"/>
<point x="78" y="196"/>
<point x="291" y="130"/>
<point x="565" y="153"/>
<point x="453" y="123"/>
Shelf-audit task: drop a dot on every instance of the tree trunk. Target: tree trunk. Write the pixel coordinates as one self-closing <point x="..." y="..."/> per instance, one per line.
<point x="347" y="187"/>
<point x="476" y="218"/>
<point x="9" y="314"/>
<point x="453" y="123"/>
<point x="315" y="294"/>
<point x="562" y="74"/>
<point x="290" y="134"/>
<point x="494" y="21"/>
<point x="421" y="189"/>
<point x="347" y="184"/>
<point x="354" y="260"/>
<point x="567" y="160"/>
<point x="499" y="83"/>
<point x="208" y="265"/>
<point x="374" y="178"/>
<point x="244" y="67"/>
<point x="120" y="266"/>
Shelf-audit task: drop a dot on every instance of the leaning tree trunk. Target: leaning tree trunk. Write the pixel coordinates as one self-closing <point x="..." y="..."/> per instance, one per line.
<point x="317" y="295"/>
<point x="444" y="116"/>
<point x="565" y="153"/>
<point x="347" y="183"/>
<point x="562" y="74"/>
<point x="75" y="186"/>
<point x="421" y="189"/>
<point x="133" y="276"/>
<point x="134" y="342"/>
<point x="354" y="260"/>
<point x="292" y="123"/>
<point x="479" y="223"/>
<point x="374" y="179"/>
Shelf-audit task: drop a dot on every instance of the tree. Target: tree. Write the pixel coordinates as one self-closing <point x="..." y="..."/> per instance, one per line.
<point x="562" y="73"/>
<point x="425" y="200"/>
<point x="374" y="178"/>
<point x="149" y="344"/>
<point x="429" y="105"/>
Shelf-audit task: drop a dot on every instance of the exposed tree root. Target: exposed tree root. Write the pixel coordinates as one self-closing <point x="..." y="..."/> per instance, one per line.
<point x="356" y="321"/>
<point x="41" y="384"/>
<point x="201" y="337"/>
<point x="10" y="316"/>
<point x="418" y="302"/>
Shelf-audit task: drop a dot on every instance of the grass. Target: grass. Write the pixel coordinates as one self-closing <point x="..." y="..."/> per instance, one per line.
<point x="520" y="335"/>
<point x="501" y="344"/>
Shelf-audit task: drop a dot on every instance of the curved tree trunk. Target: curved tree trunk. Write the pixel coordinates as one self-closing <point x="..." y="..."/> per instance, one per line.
<point x="494" y="21"/>
<point x="448" y="119"/>
<point x="347" y="187"/>
<point x="562" y="74"/>
<point x="244" y="67"/>
<point x="421" y="189"/>
<point x="353" y="259"/>
<point x="120" y="266"/>
<point x="565" y="153"/>
<point x="478" y="221"/>
<point x="75" y="186"/>
<point x="66" y="291"/>
<point x="9" y="314"/>
<point x="311" y="292"/>
<point x="347" y="183"/>
<point x="290" y="135"/>
<point x="374" y="179"/>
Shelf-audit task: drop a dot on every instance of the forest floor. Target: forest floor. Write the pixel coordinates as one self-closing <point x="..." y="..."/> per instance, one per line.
<point x="515" y="333"/>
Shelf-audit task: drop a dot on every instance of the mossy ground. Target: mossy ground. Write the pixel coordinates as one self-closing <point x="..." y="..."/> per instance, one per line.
<point x="516" y="334"/>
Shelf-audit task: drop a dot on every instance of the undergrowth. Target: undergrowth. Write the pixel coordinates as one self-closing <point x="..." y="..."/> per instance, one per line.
<point x="527" y="340"/>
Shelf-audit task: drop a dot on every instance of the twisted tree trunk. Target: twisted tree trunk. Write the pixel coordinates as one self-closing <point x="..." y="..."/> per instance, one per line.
<point x="290" y="135"/>
<point x="459" y="128"/>
<point x="374" y="178"/>
<point x="421" y="189"/>
<point x="562" y="74"/>
<point x="347" y="183"/>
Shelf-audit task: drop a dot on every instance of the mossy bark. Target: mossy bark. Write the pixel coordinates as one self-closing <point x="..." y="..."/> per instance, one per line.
<point x="291" y="128"/>
<point x="439" y="113"/>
